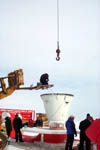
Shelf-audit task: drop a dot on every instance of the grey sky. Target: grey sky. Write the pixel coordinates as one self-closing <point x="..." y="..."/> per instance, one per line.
<point x="28" y="40"/>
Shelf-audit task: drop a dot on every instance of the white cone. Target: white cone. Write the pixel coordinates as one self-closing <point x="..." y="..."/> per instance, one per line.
<point x="57" y="106"/>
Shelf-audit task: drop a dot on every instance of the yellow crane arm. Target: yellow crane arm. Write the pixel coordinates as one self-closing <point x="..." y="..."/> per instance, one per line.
<point x="9" y="91"/>
<point x="14" y="80"/>
<point x="37" y="87"/>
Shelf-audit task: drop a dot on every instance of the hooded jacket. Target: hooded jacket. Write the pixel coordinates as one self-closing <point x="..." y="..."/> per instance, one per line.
<point x="70" y="126"/>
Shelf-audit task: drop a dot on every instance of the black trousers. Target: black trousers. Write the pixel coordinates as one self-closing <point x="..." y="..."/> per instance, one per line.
<point x="69" y="142"/>
<point x="18" y="135"/>
<point x="8" y="132"/>
<point x="84" y="142"/>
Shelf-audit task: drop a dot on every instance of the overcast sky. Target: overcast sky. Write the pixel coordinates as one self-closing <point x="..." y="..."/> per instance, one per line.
<point x="28" y="40"/>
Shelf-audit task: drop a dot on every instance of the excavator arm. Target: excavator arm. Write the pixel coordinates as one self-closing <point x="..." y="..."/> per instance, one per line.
<point x="13" y="82"/>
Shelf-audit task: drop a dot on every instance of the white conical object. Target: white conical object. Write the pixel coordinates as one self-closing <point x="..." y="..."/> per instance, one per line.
<point x="57" y="106"/>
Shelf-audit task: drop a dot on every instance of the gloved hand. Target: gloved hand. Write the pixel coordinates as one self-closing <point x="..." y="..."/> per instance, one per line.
<point x="75" y="134"/>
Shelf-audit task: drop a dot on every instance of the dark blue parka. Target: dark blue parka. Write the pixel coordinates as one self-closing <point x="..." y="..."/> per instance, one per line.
<point x="70" y="126"/>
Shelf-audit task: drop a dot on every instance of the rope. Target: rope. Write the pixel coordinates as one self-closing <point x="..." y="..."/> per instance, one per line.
<point x="58" y="50"/>
<point x="57" y="23"/>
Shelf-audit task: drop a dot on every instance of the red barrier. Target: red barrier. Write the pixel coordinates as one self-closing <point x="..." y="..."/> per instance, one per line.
<point x="25" y="114"/>
<point x="93" y="132"/>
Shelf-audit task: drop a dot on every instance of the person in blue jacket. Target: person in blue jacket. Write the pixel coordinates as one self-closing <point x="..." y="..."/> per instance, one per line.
<point x="71" y="131"/>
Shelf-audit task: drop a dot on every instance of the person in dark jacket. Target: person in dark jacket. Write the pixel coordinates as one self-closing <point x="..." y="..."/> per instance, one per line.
<point x="30" y="123"/>
<point x="83" y="138"/>
<point x="8" y="126"/>
<point x="17" y="124"/>
<point x="39" y="122"/>
<point x="44" y="79"/>
<point x="71" y="130"/>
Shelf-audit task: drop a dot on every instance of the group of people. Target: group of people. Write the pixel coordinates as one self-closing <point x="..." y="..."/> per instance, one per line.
<point x="71" y="131"/>
<point x="70" y="126"/>
<point x="37" y="123"/>
<point x="17" y="125"/>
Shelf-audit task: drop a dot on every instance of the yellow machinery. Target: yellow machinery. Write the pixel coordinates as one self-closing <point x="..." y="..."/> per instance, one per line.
<point x="3" y="138"/>
<point x="8" y="85"/>
<point x="14" y="81"/>
<point x="43" y="117"/>
<point x="3" y="141"/>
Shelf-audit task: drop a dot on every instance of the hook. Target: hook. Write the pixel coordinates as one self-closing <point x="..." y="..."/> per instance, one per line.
<point x="57" y="58"/>
<point x="58" y="52"/>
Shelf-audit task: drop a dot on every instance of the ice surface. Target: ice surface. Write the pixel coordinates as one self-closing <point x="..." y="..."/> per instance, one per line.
<point x="10" y="147"/>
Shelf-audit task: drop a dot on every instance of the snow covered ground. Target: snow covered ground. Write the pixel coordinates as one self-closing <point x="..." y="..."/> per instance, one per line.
<point x="33" y="146"/>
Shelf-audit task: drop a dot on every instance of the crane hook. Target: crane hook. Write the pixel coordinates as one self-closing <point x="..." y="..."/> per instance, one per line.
<point x="58" y="52"/>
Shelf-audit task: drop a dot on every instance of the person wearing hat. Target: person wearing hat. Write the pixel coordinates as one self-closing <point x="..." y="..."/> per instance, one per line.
<point x="17" y="124"/>
<point x="8" y="125"/>
<point x="71" y="130"/>
<point x="44" y="79"/>
<point x="84" y="124"/>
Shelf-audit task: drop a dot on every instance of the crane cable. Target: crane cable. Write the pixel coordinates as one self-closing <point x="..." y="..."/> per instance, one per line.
<point x="58" y="50"/>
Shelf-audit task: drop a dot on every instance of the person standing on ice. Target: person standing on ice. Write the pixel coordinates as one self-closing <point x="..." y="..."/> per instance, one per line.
<point x="84" y="124"/>
<point x="8" y="126"/>
<point x="71" y="131"/>
<point x="17" y="124"/>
